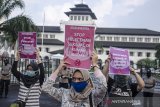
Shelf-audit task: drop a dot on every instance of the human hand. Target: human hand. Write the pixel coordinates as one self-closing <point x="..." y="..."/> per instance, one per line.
<point x="132" y="71"/>
<point x="17" y="57"/>
<point x="108" y="59"/>
<point x="94" y="58"/>
<point x="37" y="54"/>
<point x="63" y="64"/>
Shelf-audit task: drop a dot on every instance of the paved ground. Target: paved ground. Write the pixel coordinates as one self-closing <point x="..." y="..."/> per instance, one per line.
<point x="48" y="101"/>
<point x="45" y="99"/>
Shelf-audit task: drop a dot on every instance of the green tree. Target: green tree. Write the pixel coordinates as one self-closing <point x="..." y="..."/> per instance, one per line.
<point x="158" y="51"/>
<point x="11" y="26"/>
<point x="147" y="63"/>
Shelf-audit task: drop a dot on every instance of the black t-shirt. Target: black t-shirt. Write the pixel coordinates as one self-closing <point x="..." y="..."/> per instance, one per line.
<point x="121" y="96"/>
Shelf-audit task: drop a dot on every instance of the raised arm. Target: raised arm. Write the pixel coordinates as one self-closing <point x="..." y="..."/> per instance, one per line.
<point x="100" y="83"/>
<point x="40" y="66"/>
<point x="139" y="79"/>
<point x="48" y="85"/>
<point x="14" y="67"/>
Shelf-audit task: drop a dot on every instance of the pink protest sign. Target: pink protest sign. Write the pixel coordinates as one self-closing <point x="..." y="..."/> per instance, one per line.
<point x="27" y="42"/>
<point x="120" y="63"/>
<point x="79" y="44"/>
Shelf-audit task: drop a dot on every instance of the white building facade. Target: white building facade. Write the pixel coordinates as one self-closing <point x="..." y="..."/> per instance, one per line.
<point x="141" y="43"/>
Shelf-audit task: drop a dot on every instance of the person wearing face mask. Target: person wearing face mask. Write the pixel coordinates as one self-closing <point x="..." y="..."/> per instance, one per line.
<point x="121" y="88"/>
<point x="83" y="92"/>
<point x="5" y="78"/>
<point x="30" y="81"/>
<point x="148" y="89"/>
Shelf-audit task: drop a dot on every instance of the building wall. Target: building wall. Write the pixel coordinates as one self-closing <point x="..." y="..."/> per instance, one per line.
<point x="135" y="58"/>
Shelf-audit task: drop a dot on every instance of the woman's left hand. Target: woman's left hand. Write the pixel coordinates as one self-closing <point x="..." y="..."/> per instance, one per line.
<point x="94" y="58"/>
<point x="132" y="71"/>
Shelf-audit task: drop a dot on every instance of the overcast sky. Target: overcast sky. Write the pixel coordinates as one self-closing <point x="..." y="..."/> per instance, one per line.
<point x="110" y="13"/>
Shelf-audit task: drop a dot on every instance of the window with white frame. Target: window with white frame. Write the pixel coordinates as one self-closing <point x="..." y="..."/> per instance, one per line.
<point x="139" y="39"/>
<point x="147" y="39"/>
<point x="75" y="17"/>
<point x="155" y="40"/>
<point x="102" y="38"/>
<point x="79" y="17"/>
<point x="131" y="39"/>
<point x="82" y="18"/>
<point x="109" y="38"/>
<point x="86" y="18"/>
<point x="139" y="54"/>
<point x="131" y="53"/>
<point x="45" y="36"/>
<point x="148" y="54"/>
<point x="124" y="39"/>
<point x="116" y="38"/>
<point x="52" y="36"/>
<point x="71" y="17"/>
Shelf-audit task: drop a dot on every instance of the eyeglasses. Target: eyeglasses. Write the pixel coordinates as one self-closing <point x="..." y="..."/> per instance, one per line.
<point x="79" y="79"/>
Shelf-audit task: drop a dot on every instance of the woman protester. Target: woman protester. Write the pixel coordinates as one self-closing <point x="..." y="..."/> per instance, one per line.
<point x="30" y="81"/>
<point x="148" y="90"/>
<point x="83" y="92"/>
<point x="5" y="78"/>
<point x="121" y="88"/>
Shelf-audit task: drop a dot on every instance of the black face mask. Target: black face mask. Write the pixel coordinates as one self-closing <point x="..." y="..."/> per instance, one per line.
<point x="6" y="61"/>
<point x="148" y="73"/>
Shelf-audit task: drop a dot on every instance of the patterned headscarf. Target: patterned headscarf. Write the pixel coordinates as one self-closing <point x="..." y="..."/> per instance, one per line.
<point x="77" y="97"/>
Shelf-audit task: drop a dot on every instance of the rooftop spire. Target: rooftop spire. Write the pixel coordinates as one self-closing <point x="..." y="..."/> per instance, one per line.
<point x="82" y="1"/>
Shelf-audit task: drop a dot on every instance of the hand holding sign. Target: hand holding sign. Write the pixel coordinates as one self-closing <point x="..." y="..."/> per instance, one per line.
<point x="63" y="64"/>
<point x="17" y="57"/>
<point x="94" y="58"/>
<point x="38" y="55"/>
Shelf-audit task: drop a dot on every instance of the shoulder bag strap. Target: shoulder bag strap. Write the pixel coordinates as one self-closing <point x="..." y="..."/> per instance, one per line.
<point x="28" y="93"/>
<point x="90" y="100"/>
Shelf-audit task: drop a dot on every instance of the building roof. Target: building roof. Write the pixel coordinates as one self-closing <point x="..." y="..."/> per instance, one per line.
<point x="81" y="9"/>
<point x="130" y="45"/>
<point x="50" y="42"/>
<point x="107" y="44"/>
<point x="108" y="31"/>
<point x="61" y="51"/>
<point x="51" y="29"/>
<point x="127" y="31"/>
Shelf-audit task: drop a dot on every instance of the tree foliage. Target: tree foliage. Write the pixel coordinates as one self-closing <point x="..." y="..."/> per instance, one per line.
<point x="146" y="63"/>
<point x="158" y="51"/>
<point x="11" y="26"/>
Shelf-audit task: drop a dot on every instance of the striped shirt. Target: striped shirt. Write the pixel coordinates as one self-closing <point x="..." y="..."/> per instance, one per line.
<point x="33" y="95"/>
<point x="35" y="90"/>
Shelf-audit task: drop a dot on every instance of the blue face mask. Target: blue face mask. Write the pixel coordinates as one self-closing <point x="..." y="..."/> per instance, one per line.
<point x="30" y="73"/>
<point x="79" y="86"/>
